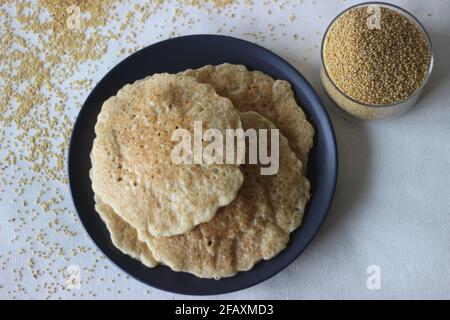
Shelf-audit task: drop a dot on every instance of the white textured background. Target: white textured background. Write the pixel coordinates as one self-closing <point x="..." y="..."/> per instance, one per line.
<point x="391" y="208"/>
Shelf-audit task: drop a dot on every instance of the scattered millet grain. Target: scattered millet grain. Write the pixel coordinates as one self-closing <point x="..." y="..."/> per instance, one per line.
<point x="376" y="66"/>
<point x="41" y="60"/>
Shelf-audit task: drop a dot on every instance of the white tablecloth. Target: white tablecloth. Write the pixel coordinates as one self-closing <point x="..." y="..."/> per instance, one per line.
<point x="392" y="203"/>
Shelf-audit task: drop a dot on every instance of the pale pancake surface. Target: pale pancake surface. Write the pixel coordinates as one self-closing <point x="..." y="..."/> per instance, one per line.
<point x="256" y="91"/>
<point x="255" y="226"/>
<point x="132" y="168"/>
<point x="124" y="236"/>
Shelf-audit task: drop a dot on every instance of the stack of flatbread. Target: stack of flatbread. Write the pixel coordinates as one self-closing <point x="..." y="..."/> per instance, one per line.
<point x="212" y="220"/>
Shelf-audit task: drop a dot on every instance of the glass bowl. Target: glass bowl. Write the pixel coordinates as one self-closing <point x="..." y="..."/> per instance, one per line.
<point x="371" y="112"/>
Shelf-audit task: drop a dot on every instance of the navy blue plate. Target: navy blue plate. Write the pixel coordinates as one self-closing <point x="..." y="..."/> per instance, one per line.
<point x="172" y="56"/>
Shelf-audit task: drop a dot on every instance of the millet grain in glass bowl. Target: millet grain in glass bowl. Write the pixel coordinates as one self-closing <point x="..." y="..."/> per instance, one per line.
<point x="376" y="59"/>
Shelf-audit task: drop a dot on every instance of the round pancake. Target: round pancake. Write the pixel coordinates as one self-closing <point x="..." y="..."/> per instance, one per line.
<point x="256" y="91"/>
<point x="124" y="236"/>
<point x="132" y="168"/>
<point x="255" y="226"/>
